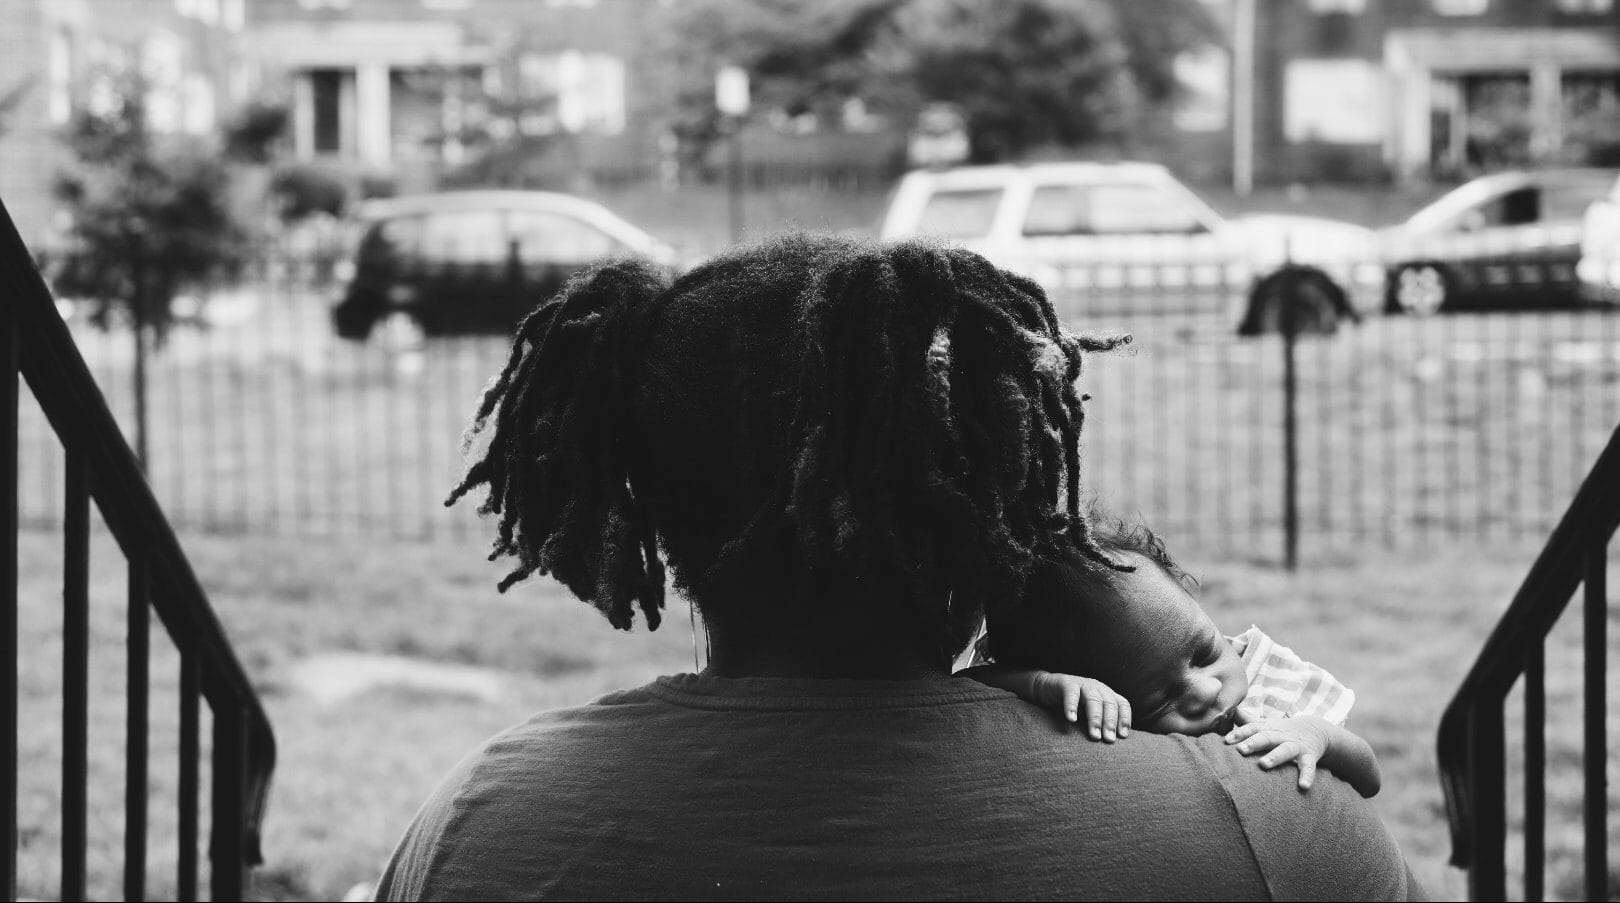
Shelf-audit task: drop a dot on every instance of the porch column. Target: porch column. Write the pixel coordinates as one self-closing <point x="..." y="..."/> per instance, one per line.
<point x="1408" y="99"/>
<point x="303" y="115"/>
<point x="1413" y="102"/>
<point x="373" y="114"/>
<point x="1547" y="106"/>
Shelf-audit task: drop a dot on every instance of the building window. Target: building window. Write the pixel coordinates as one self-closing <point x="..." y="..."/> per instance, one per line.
<point x="586" y="90"/>
<point x="1577" y="7"/>
<point x="1205" y="89"/>
<point x="1459" y="7"/>
<point x="327" y="93"/>
<point x="1333" y="101"/>
<point x="1591" y="117"/>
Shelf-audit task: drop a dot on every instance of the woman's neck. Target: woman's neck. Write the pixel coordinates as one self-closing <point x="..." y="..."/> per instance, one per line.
<point x="798" y="654"/>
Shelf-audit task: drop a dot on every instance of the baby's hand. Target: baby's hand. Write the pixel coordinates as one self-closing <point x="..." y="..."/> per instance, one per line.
<point x="1108" y="714"/>
<point x="1302" y="739"/>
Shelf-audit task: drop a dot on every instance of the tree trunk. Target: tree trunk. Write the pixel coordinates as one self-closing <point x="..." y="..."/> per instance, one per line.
<point x="139" y="306"/>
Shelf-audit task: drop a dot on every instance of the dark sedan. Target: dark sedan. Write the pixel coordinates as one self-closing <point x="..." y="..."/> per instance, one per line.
<point x="1509" y="240"/>
<point x="476" y="261"/>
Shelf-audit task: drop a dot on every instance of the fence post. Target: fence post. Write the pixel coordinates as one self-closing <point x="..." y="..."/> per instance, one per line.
<point x="734" y="182"/>
<point x="1288" y="323"/>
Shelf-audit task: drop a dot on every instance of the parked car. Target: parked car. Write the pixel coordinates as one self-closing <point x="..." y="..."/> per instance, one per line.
<point x="1127" y="239"/>
<point x="1509" y="240"/>
<point x="1599" y="267"/>
<point x="476" y="261"/>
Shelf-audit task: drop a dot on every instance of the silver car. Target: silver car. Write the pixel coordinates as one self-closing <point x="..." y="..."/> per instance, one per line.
<point x="1120" y="241"/>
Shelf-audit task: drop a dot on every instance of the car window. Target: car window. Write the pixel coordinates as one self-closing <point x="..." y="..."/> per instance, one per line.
<point x="544" y="237"/>
<point x="960" y="214"/>
<point x="1059" y="210"/>
<point x="1124" y="209"/>
<point x="1569" y="202"/>
<point x="398" y="237"/>
<point x="1518" y="207"/>
<point x="462" y="236"/>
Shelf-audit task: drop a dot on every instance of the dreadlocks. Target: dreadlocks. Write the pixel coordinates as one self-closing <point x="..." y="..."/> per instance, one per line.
<point x="810" y="422"/>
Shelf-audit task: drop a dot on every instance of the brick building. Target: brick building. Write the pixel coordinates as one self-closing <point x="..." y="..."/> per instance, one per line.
<point x="1416" y="89"/>
<point x="55" y="56"/>
<point x="388" y="86"/>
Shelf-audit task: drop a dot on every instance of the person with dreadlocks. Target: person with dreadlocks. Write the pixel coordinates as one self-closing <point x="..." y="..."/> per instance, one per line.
<point x="846" y="455"/>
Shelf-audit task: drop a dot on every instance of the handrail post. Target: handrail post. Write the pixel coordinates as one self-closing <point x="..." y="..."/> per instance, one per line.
<point x="227" y="847"/>
<point x="75" y="670"/>
<point x="186" y="864"/>
<point x="10" y="364"/>
<point x="1487" y="772"/>
<point x="136" y="727"/>
<point x="1535" y="773"/>
<point x="1595" y="759"/>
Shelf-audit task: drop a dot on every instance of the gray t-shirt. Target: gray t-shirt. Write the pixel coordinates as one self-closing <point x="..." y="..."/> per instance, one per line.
<point x="714" y="788"/>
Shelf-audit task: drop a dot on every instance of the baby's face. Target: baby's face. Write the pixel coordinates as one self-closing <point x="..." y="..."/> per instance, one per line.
<point x="1180" y="673"/>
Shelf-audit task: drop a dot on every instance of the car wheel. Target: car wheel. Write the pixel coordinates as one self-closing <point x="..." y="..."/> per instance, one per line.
<point x="1421" y="289"/>
<point x="1317" y="303"/>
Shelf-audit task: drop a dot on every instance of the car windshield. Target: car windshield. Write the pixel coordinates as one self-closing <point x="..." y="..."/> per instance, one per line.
<point x="1451" y="205"/>
<point x="492" y="236"/>
<point x="540" y="235"/>
<point x="960" y="213"/>
<point x="1484" y="202"/>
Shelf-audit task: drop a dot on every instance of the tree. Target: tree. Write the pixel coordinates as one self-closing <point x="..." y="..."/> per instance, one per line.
<point x="1024" y="73"/>
<point x="256" y="132"/>
<point x="10" y="99"/>
<point x="148" y="217"/>
<point x="507" y="128"/>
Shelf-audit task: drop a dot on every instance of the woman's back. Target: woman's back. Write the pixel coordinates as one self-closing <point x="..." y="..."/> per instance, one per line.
<point x="771" y="788"/>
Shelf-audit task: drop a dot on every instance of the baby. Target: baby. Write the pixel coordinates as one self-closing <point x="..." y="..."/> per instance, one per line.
<point x="1156" y="662"/>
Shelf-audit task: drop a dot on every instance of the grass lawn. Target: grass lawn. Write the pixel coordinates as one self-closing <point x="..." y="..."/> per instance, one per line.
<point x="1399" y="628"/>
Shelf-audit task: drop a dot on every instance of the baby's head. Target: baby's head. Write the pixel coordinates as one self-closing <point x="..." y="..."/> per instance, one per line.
<point x="1141" y="632"/>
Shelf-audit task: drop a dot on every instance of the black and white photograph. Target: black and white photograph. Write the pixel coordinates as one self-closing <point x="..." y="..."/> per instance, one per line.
<point x="809" y="449"/>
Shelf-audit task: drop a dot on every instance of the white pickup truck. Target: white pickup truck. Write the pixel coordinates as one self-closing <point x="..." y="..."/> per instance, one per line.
<point x="1113" y="242"/>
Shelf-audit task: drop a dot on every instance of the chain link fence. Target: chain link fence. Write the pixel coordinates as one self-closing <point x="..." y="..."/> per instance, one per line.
<point x="1460" y="427"/>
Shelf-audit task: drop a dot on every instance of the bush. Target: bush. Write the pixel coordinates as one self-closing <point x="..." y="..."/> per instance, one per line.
<point x="303" y="190"/>
<point x="255" y="132"/>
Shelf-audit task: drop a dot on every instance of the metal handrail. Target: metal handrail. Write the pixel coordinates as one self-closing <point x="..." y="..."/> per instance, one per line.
<point x="1472" y="742"/>
<point x="37" y="344"/>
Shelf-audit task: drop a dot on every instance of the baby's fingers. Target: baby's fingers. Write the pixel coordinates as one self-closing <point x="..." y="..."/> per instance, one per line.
<point x="1071" y="700"/>
<point x="1286" y="751"/>
<point x="1095" y="714"/>
<point x="1124" y="717"/>
<point x="1259" y="742"/>
<point x="1307" y="771"/>
<point x="1242" y="732"/>
<point x="1110" y="721"/>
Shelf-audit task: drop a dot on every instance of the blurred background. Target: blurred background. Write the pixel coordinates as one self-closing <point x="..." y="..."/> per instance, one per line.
<point x="1369" y="252"/>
